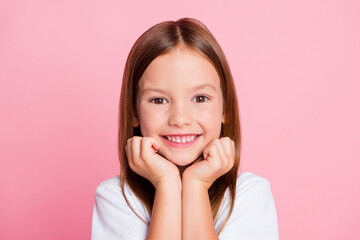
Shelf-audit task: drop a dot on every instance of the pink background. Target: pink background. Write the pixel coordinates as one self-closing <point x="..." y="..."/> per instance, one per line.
<point x="296" y="66"/>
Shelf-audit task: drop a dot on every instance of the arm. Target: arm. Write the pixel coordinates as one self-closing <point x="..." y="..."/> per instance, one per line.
<point x="196" y="212"/>
<point x="166" y="215"/>
<point x="197" y="179"/>
<point x="143" y="159"/>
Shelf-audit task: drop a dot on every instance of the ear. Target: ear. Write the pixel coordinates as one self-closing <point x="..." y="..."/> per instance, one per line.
<point x="136" y="122"/>
<point x="223" y="119"/>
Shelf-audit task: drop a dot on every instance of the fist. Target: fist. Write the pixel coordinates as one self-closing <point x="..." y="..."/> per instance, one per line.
<point x="143" y="158"/>
<point x="218" y="159"/>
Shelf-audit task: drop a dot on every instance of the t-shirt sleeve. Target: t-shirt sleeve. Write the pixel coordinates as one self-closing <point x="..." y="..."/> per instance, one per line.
<point x="254" y="215"/>
<point x="112" y="217"/>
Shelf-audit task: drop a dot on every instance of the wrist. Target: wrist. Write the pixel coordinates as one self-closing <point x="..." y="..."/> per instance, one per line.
<point x="168" y="182"/>
<point x="195" y="183"/>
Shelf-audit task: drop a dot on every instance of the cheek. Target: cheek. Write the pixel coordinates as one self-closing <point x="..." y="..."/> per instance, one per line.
<point x="150" y="121"/>
<point x="211" y="118"/>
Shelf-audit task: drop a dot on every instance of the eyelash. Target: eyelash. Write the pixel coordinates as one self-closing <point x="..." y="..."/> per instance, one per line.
<point x="153" y="99"/>
<point x="206" y="98"/>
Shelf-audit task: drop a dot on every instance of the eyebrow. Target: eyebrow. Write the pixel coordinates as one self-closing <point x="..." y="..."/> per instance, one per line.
<point x="202" y="86"/>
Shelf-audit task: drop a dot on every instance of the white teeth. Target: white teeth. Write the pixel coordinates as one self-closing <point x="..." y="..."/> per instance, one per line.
<point x="181" y="139"/>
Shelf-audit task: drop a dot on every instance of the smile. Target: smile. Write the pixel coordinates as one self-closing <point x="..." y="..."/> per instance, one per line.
<point x="181" y="141"/>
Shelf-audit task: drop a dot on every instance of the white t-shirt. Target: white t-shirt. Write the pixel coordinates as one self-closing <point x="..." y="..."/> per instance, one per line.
<point x="253" y="218"/>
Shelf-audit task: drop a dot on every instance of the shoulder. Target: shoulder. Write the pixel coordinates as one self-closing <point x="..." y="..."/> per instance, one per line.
<point x="113" y="217"/>
<point x="250" y="182"/>
<point x="248" y="177"/>
<point x="254" y="213"/>
<point x="109" y="187"/>
<point x="248" y="186"/>
<point x="110" y="190"/>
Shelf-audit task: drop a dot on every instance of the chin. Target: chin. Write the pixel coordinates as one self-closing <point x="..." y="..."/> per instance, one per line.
<point x="182" y="163"/>
<point x="182" y="160"/>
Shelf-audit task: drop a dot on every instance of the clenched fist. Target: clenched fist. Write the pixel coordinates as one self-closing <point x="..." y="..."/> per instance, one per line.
<point x="143" y="158"/>
<point x="218" y="159"/>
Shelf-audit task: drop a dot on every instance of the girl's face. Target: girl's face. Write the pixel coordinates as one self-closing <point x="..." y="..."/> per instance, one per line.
<point x="180" y="104"/>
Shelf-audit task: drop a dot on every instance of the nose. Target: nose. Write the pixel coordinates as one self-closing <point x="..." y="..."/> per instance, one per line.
<point x="180" y="115"/>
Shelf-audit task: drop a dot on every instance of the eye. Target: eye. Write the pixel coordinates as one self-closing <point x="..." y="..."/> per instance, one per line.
<point x="201" y="98"/>
<point x="158" y="100"/>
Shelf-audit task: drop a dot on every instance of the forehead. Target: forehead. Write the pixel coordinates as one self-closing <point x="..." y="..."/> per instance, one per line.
<point x="181" y="68"/>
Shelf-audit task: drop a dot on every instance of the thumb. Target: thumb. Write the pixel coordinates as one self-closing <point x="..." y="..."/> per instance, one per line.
<point x="206" y="153"/>
<point x="156" y="145"/>
<point x="149" y="143"/>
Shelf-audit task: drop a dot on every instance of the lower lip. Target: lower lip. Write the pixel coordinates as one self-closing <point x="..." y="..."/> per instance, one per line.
<point x="180" y="144"/>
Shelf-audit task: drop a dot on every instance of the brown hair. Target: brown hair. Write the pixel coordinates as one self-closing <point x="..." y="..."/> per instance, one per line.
<point x="158" y="40"/>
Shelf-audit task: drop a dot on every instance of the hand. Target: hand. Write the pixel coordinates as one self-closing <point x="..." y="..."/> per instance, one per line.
<point x="144" y="160"/>
<point x="218" y="159"/>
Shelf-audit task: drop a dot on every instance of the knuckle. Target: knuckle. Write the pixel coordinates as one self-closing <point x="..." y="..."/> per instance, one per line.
<point x="146" y="139"/>
<point x="136" y="138"/>
<point x="131" y="165"/>
<point x="214" y="141"/>
<point x="231" y="166"/>
<point x="135" y="164"/>
<point x="213" y="147"/>
<point x="142" y="154"/>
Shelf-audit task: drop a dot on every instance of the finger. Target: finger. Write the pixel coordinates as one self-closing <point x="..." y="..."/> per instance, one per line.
<point x="214" y="156"/>
<point x="206" y="152"/>
<point x="207" y="149"/>
<point x="227" y="146"/>
<point x="129" y="154"/>
<point x="148" y="146"/>
<point x="135" y="149"/>
<point x="224" y="157"/>
<point x="155" y="145"/>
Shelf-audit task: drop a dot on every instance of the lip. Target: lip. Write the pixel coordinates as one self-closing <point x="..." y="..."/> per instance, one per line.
<point x="181" y="134"/>
<point x="180" y="144"/>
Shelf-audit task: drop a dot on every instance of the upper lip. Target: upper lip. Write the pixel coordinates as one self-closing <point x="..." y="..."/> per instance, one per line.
<point x="181" y="134"/>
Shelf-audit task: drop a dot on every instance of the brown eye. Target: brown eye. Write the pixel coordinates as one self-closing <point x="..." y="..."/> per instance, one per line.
<point x="158" y="100"/>
<point x="201" y="99"/>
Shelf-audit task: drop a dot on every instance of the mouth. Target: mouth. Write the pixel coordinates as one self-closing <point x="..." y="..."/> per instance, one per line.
<point x="181" y="141"/>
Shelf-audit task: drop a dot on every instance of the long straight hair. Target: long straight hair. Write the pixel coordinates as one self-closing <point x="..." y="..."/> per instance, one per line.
<point x="158" y="40"/>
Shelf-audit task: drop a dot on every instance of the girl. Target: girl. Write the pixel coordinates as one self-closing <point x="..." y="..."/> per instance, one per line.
<point x="179" y="147"/>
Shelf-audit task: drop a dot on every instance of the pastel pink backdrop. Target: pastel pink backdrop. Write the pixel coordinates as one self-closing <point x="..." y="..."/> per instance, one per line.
<point x="296" y="66"/>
